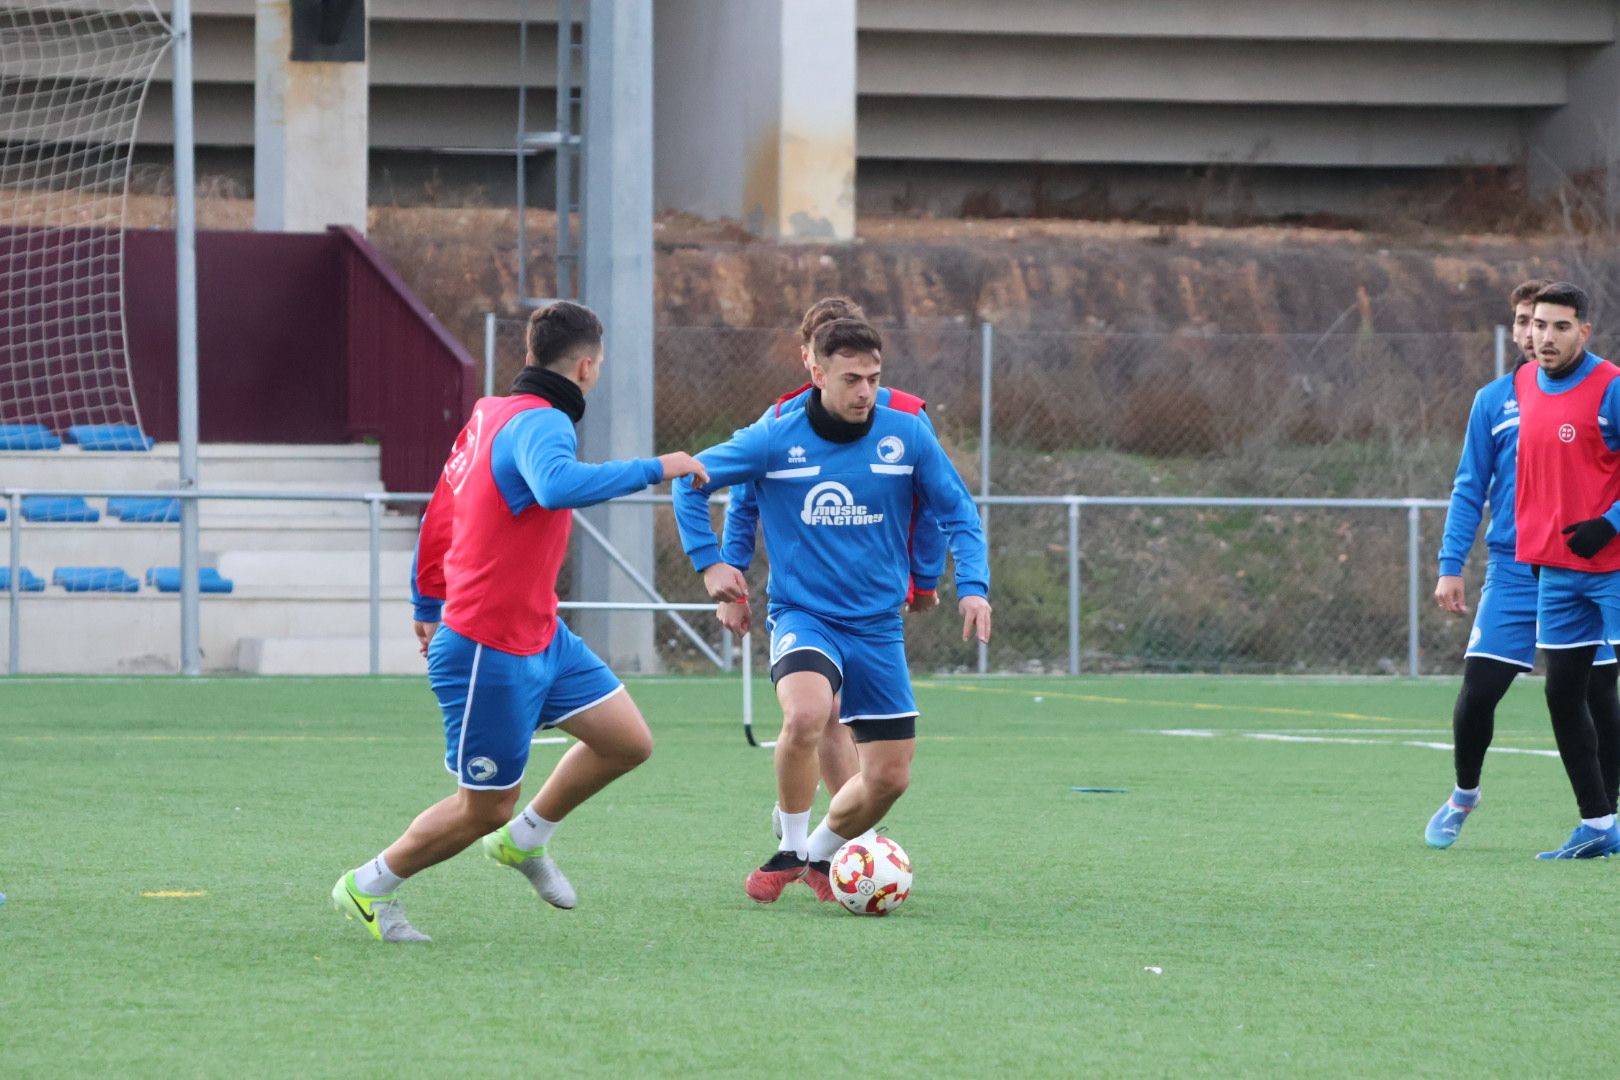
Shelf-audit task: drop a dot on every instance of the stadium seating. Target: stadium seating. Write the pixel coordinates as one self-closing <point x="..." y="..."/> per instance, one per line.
<point x="167" y="579"/>
<point x="28" y="437"/>
<point x="109" y="437"/>
<point x="144" y="510"/>
<point x="94" y="579"/>
<point x="27" y="580"/>
<point x="50" y="508"/>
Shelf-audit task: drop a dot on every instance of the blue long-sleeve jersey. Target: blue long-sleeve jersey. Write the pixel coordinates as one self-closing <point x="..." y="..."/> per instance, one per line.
<point x="535" y="459"/>
<point x="1487" y="469"/>
<point x="742" y="516"/>
<point x="837" y="515"/>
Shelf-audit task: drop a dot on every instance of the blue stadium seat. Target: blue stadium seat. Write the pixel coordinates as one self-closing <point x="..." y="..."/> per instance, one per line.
<point x="28" y="437"/>
<point x="94" y="579"/>
<point x="109" y="437"/>
<point x="144" y="510"/>
<point x="27" y="580"/>
<point x="51" y="508"/>
<point x="167" y="579"/>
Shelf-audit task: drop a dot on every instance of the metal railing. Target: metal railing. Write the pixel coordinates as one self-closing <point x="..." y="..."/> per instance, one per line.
<point x="1072" y="505"/>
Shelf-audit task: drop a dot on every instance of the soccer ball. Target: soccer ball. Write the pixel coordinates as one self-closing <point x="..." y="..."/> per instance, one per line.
<point x="871" y="876"/>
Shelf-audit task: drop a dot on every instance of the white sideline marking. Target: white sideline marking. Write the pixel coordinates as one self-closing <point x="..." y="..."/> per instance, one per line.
<point x="1274" y="736"/>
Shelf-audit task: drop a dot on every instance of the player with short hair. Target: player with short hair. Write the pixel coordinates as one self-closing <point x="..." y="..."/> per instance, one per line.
<point x="837" y="482"/>
<point x="1567" y="510"/>
<point x="836" y="750"/>
<point x="1503" y="640"/>
<point x="500" y="661"/>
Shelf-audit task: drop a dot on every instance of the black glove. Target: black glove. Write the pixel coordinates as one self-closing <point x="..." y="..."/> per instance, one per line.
<point x="1587" y="538"/>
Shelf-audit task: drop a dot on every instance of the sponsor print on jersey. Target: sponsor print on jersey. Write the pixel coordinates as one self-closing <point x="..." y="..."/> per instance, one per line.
<point x="890" y="449"/>
<point x="463" y="453"/>
<point x="831" y="503"/>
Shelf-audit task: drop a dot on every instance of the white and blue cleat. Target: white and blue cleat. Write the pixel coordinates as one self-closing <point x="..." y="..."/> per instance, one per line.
<point x="1587" y="843"/>
<point x="1447" y="823"/>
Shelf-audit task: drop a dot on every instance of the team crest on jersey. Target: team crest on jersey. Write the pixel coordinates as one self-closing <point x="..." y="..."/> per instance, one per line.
<point x="1566" y="433"/>
<point x="831" y="503"/>
<point x="890" y="449"/>
<point x="463" y="453"/>
<point x="796" y="455"/>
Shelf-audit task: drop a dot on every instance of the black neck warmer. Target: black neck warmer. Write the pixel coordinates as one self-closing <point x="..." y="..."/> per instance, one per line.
<point x="563" y="393"/>
<point x="1569" y="369"/>
<point x="831" y="428"/>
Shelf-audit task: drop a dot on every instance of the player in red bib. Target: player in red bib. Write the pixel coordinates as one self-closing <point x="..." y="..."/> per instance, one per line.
<point x="499" y="660"/>
<point x="1567" y="510"/>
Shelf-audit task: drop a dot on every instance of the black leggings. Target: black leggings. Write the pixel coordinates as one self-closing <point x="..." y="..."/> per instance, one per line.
<point x="1588" y="741"/>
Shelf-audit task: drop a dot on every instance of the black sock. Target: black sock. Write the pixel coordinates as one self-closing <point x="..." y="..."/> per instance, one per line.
<point x="1473" y="718"/>
<point x="1603" y="702"/>
<point x="1568" y="671"/>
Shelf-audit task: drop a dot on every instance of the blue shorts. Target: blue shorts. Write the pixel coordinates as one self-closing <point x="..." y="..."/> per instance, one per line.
<point x="495" y="701"/>
<point x="1576" y="608"/>
<point x="871" y="658"/>
<point x="1505" y="624"/>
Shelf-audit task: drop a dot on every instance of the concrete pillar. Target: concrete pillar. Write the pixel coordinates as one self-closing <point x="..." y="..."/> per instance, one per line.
<point x="310" y="115"/>
<point x="1584" y="133"/>
<point x="756" y="114"/>
<point x="617" y="209"/>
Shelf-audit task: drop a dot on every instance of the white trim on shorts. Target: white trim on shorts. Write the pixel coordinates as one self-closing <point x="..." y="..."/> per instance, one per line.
<point x="466" y="710"/>
<point x="484" y="787"/>
<point x="880" y="716"/>
<point x="1571" y="645"/>
<point x="1503" y="659"/>
<point x="1606" y="663"/>
<point x="582" y="708"/>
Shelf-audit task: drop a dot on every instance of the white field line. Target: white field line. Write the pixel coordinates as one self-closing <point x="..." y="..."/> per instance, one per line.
<point x="1273" y="736"/>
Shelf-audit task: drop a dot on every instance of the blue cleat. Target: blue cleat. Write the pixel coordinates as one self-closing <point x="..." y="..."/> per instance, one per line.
<point x="1447" y="823"/>
<point x="1587" y="843"/>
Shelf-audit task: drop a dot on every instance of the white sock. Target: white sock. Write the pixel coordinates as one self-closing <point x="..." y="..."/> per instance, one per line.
<point x="529" y="830"/>
<point x="794" y="828"/>
<point x="824" y="843"/>
<point x="375" y="879"/>
<point x="1605" y="822"/>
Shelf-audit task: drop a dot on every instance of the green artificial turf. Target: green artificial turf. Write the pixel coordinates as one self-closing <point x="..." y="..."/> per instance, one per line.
<point x="1248" y="907"/>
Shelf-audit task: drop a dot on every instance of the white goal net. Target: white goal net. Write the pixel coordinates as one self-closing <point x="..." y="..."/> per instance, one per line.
<point x="73" y="76"/>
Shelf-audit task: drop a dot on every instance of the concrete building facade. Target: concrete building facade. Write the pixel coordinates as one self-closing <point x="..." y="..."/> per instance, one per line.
<point x="961" y="105"/>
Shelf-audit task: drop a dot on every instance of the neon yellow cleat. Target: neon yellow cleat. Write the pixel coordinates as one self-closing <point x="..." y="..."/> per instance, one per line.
<point x="541" y="869"/>
<point x="383" y="916"/>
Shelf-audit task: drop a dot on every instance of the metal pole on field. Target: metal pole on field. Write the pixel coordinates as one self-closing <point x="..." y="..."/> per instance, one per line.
<point x="1501" y="350"/>
<point x="489" y="354"/>
<point x="1412" y="514"/>
<point x="14" y="586"/>
<point x="374" y="588"/>
<point x="185" y="285"/>
<point x="1074" y="588"/>
<point x="987" y="333"/>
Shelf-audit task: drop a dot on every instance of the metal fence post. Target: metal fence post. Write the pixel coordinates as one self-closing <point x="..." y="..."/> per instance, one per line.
<point x="1413" y="511"/>
<point x="489" y="353"/>
<point x="14" y="586"/>
<point x="728" y="651"/>
<point x="1074" y="588"/>
<point x="1501" y="350"/>
<point x="987" y="333"/>
<point x="374" y="587"/>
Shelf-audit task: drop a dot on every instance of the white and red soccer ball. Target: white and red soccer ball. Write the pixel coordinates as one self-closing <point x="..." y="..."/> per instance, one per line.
<point x="871" y="875"/>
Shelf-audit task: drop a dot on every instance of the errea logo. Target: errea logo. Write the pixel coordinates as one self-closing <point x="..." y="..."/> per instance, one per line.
<point x="1510" y="407"/>
<point x="795" y="455"/>
<point x="831" y="503"/>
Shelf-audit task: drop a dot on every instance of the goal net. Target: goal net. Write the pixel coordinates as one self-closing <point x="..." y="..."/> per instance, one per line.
<point x="73" y="76"/>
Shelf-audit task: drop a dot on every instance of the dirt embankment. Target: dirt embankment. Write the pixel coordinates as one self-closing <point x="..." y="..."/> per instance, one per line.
<point x="1099" y="276"/>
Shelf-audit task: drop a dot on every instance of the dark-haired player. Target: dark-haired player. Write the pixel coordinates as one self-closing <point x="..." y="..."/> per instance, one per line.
<point x="837" y="483"/>
<point x="1567" y="508"/>
<point x="499" y="660"/>
<point x="836" y="751"/>
<point x="1503" y="640"/>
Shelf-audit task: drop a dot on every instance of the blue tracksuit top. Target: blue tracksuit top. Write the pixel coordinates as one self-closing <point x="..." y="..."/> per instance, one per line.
<point x="742" y="516"/>
<point x="837" y="515"/>
<point x="535" y="459"/>
<point x="1487" y="469"/>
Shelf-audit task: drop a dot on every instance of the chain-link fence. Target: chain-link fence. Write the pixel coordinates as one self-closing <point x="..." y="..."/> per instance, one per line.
<point x="1317" y="589"/>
